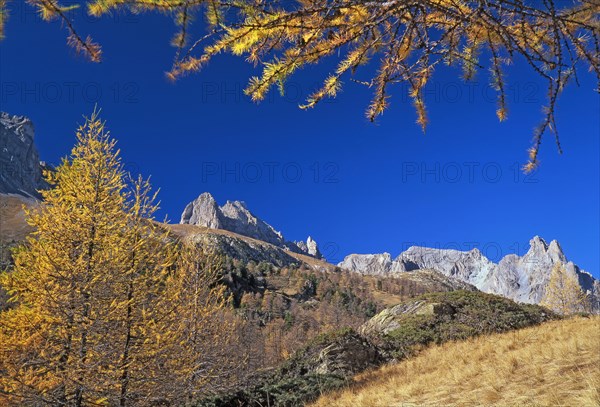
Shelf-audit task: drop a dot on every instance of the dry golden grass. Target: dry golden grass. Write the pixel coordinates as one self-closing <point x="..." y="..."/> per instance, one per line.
<point x="12" y="217"/>
<point x="555" y="364"/>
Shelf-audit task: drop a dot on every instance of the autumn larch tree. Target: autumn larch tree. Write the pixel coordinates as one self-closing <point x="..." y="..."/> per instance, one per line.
<point x="104" y="307"/>
<point x="53" y="343"/>
<point x="564" y="294"/>
<point x="408" y="39"/>
<point x="201" y="354"/>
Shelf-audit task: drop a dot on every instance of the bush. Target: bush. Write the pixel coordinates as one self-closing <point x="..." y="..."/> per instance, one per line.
<point x="466" y="314"/>
<point x="287" y="392"/>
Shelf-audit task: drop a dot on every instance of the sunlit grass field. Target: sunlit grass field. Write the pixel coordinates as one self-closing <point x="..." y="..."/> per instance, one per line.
<point x="555" y="364"/>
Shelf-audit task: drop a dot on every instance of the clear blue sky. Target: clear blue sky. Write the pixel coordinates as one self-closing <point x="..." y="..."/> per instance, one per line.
<point x="354" y="186"/>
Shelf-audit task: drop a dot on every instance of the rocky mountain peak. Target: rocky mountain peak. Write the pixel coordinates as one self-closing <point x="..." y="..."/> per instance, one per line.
<point x="376" y="264"/>
<point x="235" y="216"/>
<point x="537" y="245"/>
<point x="312" y="248"/>
<point x="21" y="126"/>
<point x="203" y="211"/>
<point x="539" y="249"/>
<point x="20" y="167"/>
<point x="476" y="253"/>
<point x="522" y="279"/>
<point x="556" y="252"/>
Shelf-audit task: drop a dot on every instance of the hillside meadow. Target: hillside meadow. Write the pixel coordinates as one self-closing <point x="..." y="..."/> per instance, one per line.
<point x="554" y="364"/>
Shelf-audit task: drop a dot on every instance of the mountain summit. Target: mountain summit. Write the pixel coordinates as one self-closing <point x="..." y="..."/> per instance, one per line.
<point x="235" y="217"/>
<point x="520" y="278"/>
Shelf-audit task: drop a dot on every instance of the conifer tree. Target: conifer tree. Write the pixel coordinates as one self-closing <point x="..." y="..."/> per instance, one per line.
<point x="563" y="293"/>
<point x="200" y="355"/>
<point x="140" y="286"/>
<point x="53" y="343"/>
<point x="107" y="308"/>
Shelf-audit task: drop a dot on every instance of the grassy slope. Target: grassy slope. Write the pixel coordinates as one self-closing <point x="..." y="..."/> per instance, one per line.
<point x="12" y="218"/>
<point x="554" y="364"/>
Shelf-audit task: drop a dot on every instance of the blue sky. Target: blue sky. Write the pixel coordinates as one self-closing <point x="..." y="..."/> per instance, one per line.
<point x="356" y="187"/>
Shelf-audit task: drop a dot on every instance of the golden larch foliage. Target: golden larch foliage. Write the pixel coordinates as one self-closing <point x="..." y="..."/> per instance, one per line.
<point x="564" y="294"/>
<point x="406" y="40"/>
<point x="106" y="308"/>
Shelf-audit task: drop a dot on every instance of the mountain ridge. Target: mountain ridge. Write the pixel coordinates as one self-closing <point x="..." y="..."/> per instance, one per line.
<point x="521" y="278"/>
<point x="235" y="216"/>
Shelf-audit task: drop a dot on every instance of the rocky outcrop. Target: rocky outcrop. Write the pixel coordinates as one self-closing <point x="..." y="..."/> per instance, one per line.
<point x="520" y="278"/>
<point x="238" y="219"/>
<point x="439" y="317"/>
<point x="242" y="249"/>
<point x="328" y="362"/>
<point x="392" y="318"/>
<point x="235" y="217"/>
<point x="471" y="266"/>
<point x="203" y="211"/>
<point x="373" y="264"/>
<point x="20" y="180"/>
<point x="428" y="280"/>
<point x="310" y="247"/>
<point x="341" y="353"/>
<point x="20" y="166"/>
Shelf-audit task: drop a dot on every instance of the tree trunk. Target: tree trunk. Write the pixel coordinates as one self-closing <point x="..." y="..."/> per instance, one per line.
<point x="125" y="361"/>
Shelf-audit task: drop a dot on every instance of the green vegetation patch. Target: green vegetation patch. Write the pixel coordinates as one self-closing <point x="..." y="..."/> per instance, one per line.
<point x="458" y="315"/>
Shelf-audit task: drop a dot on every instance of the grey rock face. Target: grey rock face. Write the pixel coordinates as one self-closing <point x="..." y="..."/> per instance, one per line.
<point x="313" y="248"/>
<point x="309" y="247"/>
<point x="525" y="278"/>
<point x="203" y="211"/>
<point x="302" y="246"/>
<point x="20" y="167"/>
<point x="373" y="264"/>
<point x="522" y="279"/>
<point x="387" y="320"/>
<point x="235" y="217"/>
<point x="471" y="266"/>
<point x="238" y="219"/>
<point x="244" y="250"/>
<point x="347" y="355"/>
